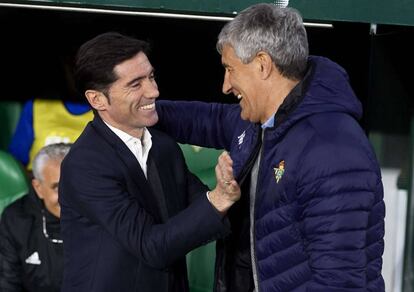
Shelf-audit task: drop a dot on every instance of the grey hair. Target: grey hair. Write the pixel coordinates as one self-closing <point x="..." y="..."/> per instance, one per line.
<point x="56" y="151"/>
<point x="278" y="31"/>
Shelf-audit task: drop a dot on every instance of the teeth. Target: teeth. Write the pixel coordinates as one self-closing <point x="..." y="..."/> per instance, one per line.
<point x="239" y="96"/>
<point x="148" y="106"/>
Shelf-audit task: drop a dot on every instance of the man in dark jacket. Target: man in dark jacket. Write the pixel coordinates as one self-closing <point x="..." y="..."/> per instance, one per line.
<point x="130" y="208"/>
<point x="311" y="215"/>
<point x="31" y="251"/>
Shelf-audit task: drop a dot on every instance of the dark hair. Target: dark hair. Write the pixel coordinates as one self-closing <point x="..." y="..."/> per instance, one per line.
<point x="97" y="58"/>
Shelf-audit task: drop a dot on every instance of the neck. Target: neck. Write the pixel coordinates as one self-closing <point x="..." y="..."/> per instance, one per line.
<point x="134" y="132"/>
<point x="54" y="213"/>
<point x="276" y="93"/>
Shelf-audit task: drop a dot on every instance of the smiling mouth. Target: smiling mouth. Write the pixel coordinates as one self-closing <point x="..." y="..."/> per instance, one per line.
<point x="146" y="107"/>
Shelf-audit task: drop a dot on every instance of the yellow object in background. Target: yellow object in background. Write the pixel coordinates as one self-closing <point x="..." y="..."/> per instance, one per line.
<point x="52" y="123"/>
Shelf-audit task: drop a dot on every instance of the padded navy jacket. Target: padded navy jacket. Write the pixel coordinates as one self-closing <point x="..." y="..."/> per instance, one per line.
<point x="319" y="210"/>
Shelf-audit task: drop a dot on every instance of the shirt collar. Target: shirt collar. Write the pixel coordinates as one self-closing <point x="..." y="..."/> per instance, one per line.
<point x="269" y="123"/>
<point x="127" y="138"/>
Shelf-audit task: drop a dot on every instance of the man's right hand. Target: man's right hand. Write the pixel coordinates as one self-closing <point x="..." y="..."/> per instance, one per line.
<point x="227" y="191"/>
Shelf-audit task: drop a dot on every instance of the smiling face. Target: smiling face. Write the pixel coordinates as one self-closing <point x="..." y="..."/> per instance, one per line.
<point x="130" y="105"/>
<point x="243" y="80"/>
<point x="47" y="187"/>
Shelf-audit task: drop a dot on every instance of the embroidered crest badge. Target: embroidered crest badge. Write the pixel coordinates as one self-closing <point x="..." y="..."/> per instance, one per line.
<point x="279" y="171"/>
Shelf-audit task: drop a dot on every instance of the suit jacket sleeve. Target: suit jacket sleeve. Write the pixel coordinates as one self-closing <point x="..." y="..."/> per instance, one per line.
<point x="195" y="187"/>
<point x="98" y="191"/>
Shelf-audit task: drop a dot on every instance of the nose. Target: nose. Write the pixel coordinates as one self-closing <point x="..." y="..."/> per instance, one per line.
<point x="151" y="89"/>
<point x="226" y="83"/>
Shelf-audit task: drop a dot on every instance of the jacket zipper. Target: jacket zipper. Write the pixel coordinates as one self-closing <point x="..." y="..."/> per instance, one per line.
<point x="250" y="161"/>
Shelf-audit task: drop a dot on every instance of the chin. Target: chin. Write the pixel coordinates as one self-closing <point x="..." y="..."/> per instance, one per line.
<point x="152" y="121"/>
<point x="56" y="212"/>
<point x="244" y="117"/>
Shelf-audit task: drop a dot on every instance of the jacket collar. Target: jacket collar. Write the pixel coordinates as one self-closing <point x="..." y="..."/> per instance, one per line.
<point x="294" y="98"/>
<point x="325" y="88"/>
<point x="119" y="146"/>
<point x="145" y="196"/>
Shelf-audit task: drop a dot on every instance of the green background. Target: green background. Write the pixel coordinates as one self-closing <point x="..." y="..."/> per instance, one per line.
<point x="380" y="11"/>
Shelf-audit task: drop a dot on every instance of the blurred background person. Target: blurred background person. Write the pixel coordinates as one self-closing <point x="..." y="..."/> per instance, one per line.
<point x="31" y="251"/>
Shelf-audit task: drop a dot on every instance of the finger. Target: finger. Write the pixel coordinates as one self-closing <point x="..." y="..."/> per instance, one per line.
<point x="227" y="159"/>
<point x="226" y="170"/>
<point x="222" y="182"/>
<point x="233" y="191"/>
<point x="219" y="173"/>
<point x="228" y="174"/>
<point x="223" y="175"/>
<point x="233" y="186"/>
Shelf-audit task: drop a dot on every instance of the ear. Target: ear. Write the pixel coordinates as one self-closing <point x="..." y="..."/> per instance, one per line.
<point x="96" y="99"/>
<point x="265" y="64"/>
<point x="37" y="187"/>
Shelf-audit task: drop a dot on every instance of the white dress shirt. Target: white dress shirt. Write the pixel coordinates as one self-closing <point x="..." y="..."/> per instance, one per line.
<point x="139" y="147"/>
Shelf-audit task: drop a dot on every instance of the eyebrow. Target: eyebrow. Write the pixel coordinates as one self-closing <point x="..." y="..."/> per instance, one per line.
<point x="139" y="78"/>
<point x="226" y="66"/>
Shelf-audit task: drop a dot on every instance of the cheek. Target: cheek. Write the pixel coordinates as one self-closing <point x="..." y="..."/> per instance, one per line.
<point x="233" y="80"/>
<point x="52" y="197"/>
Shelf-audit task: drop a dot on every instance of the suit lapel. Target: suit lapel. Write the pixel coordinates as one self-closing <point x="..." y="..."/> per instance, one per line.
<point x="156" y="185"/>
<point x="143" y="191"/>
<point x="162" y="159"/>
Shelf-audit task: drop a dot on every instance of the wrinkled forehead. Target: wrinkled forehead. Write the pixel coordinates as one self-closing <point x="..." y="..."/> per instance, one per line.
<point x="229" y="57"/>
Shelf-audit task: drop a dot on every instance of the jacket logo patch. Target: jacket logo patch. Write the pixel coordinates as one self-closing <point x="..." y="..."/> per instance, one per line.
<point x="33" y="259"/>
<point x="241" y="137"/>
<point x="279" y="171"/>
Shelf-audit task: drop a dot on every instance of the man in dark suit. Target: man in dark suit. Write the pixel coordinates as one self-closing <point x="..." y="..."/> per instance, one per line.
<point x="130" y="209"/>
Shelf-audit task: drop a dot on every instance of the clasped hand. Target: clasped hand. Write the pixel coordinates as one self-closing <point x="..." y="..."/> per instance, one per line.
<point x="227" y="190"/>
